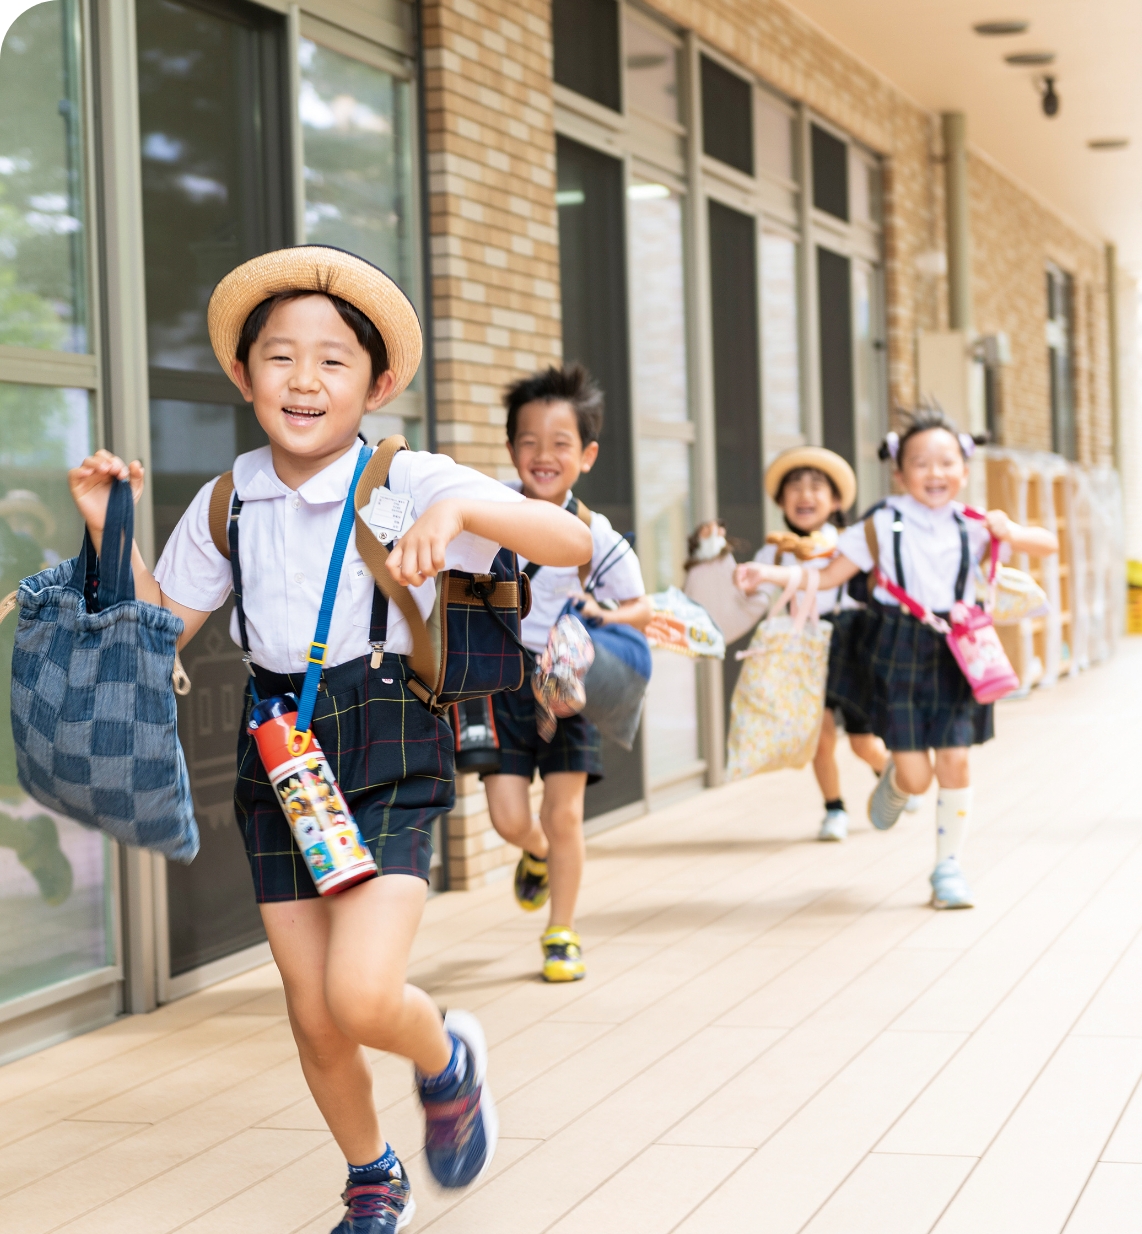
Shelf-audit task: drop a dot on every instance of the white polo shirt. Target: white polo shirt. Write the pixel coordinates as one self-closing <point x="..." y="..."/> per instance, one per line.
<point x="930" y="550"/>
<point x="620" y="578"/>
<point x="285" y="542"/>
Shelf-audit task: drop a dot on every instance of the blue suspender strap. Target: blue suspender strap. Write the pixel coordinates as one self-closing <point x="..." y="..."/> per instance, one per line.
<point x="299" y="738"/>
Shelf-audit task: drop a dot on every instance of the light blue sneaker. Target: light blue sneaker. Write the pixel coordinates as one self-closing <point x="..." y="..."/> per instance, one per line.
<point x="886" y="804"/>
<point x="834" y="826"/>
<point x="913" y="804"/>
<point x="949" y="887"/>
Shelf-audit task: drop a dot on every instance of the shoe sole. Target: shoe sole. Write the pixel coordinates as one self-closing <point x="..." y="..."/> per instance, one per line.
<point x="949" y="906"/>
<point x="465" y="1026"/>
<point x="828" y="838"/>
<point x="408" y="1214"/>
<point x="886" y="827"/>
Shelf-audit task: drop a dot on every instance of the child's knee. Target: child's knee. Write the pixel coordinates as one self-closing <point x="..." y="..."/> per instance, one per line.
<point x="367" y="1011"/>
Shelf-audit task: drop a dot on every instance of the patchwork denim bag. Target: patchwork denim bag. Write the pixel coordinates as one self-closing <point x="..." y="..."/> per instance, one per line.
<point x="93" y="707"/>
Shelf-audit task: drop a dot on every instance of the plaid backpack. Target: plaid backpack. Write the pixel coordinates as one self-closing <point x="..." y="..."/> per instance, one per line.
<point x="469" y="646"/>
<point x="93" y="709"/>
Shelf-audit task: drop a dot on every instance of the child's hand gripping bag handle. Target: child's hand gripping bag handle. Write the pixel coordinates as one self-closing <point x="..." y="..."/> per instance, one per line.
<point x="806" y="606"/>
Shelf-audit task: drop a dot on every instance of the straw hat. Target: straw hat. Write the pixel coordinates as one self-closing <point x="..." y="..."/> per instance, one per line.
<point x="824" y="460"/>
<point x="320" y="268"/>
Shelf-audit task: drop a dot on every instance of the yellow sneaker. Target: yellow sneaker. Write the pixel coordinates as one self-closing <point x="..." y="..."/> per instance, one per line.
<point x="531" y="882"/>
<point x="562" y="955"/>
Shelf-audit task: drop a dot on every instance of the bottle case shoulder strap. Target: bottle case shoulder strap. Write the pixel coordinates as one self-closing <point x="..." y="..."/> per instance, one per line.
<point x="219" y="512"/>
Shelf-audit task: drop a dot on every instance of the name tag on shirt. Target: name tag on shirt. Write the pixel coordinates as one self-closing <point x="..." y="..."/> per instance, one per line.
<point x="389" y="515"/>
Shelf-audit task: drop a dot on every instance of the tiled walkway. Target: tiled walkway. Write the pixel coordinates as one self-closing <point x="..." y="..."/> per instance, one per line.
<point x="775" y="1035"/>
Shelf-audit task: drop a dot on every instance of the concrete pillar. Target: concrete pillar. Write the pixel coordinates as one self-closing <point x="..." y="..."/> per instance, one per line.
<point x="958" y="221"/>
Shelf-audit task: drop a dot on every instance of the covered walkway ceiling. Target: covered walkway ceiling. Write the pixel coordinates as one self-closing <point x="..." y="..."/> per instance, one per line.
<point x="931" y="51"/>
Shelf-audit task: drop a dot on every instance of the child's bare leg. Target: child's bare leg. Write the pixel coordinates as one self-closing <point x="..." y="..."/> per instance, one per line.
<point x="343" y="961"/>
<point x="912" y="770"/>
<point x="510" y="807"/>
<point x="562" y="819"/>
<point x="825" y="760"/>
<point x="870" y="749"/>
<point x="953" y="769"/>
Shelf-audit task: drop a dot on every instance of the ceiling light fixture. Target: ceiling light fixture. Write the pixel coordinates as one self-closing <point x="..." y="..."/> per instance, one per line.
<point x="1030" y="59"/>
<point x="1050" y="100"/>
<point x="1108" y="143"/>
<point x="1001" y="27"/>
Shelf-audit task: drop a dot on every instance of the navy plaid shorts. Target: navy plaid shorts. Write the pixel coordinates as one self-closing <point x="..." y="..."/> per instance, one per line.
<point x="576" y="746"/>
<point x="849" y="686"/>
<point x="392" y="758"/>
<point x="921" y="699"/>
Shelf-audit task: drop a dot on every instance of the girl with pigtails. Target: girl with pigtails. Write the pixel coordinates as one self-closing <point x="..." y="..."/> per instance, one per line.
<point x="925" y="542"/>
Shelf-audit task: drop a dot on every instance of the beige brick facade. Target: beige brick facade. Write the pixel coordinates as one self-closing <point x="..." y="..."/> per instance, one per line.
<point x="494" y="235"/>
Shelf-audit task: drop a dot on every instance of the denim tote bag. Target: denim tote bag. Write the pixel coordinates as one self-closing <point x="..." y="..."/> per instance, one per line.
<point x="93" y="706"/>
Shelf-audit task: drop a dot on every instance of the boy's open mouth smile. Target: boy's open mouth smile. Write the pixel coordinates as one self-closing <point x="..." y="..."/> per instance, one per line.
<point x="302" y="415"/>
<point x="544" y="475"/>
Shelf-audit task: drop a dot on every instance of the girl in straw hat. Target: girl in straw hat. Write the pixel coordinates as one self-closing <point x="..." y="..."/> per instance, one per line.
<point x="315" y="338"/>
<point x="920" y="543"/>
<point x="813" y="487"/>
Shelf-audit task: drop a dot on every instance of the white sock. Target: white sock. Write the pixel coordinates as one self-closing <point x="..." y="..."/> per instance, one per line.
<point x="953" y="809"/>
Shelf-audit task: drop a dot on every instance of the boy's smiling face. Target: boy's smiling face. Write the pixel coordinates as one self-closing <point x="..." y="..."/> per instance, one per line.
<point x="548" y="452"/>
<point x="310" y="382"/>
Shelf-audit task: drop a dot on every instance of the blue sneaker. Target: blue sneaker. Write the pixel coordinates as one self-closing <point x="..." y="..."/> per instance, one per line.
<point x="949" y="887"/>
<point x="461" y="1124"/>
<point x="377" y="1208"/>
<point x="886" y="803"/>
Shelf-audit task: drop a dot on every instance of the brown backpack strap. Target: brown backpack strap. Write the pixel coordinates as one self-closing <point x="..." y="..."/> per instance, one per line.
<point x="872" y="541"/>
<point x="375" y="555"/>
<point x="8" y="604"/>
<point x="584" y="516"/>
<point x="219" y="514"/>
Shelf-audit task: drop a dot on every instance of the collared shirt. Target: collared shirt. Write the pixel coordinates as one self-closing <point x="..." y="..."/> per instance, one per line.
<point x="286" y="539"/>
<point x="826" y="600"/>
<point x="930" y="550"/>
<point x="619" y="578"/>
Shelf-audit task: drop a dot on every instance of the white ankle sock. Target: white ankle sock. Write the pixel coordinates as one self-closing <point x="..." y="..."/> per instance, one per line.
<point x="953" y="809"/>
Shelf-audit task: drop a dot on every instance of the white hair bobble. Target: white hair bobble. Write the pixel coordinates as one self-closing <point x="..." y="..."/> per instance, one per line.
<point x="892" y="441"/>
<point x="967" y="444"/>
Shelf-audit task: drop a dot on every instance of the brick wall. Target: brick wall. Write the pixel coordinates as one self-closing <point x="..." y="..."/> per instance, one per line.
<point x="493" y="230"/>
<point x="1013" y="237"/>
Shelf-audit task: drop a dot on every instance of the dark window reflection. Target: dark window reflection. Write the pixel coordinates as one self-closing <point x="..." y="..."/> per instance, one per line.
<point x="727" y="116"/>
<point x="830" y="174"/>
<point x="585" y="35"/>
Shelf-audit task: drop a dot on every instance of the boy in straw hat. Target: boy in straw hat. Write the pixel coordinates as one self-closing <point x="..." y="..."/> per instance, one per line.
<point x="315" y="338"/>
<point x="813" y="487"/>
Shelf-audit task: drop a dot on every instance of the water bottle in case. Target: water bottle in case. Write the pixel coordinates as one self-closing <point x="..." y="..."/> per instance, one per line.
<point x="321" y="821"/>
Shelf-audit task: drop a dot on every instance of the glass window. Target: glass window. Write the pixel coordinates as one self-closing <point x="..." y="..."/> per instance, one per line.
<point x="55" y="876"/>
<point x="658" y="303"/>
<point x="652" y="72"/>
<point x="780" y="365"/>
<point x="830" y="173"/>
<point x="864" y="193"/>
<point x="43" y="283"/>
<point x="727" y="122"/>
<point x="1060" y="346"/>
<point x="355" y="122"/>
<point x="585" y="38"/>
<point x="774" y="138"/>
<point x="835" y="323"/>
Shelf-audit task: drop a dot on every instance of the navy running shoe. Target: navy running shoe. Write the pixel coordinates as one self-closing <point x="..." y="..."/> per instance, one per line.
<point x="377" y="1208"/>
<point x="461" y="1125"/>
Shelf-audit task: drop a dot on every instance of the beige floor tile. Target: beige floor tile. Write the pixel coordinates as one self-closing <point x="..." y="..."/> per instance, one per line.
<point x="967" y="1104"/>
<point x="891" y="1193"/>
<point x="35" y="1156"/>
<point x="973" y="987"/>
<point x="799" y="1167"/>
<point x="1126" y="1142"/>
<point x="200" y="1184"/>
<point x="1031" y="1176"/>
<point x="653" y="1192"/>
<point x="1111" y="1202"/>
<point x="772" y="1089"/>
<point x="1116" y="1010"/>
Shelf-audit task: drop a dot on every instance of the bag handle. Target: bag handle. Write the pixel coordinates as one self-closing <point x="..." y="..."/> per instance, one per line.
<point x="106" y="578"/>
<point x="375" y="555"/>
<point x="807" y="604"/>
